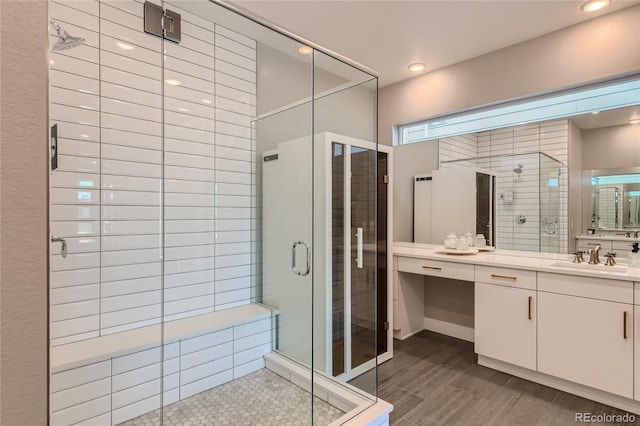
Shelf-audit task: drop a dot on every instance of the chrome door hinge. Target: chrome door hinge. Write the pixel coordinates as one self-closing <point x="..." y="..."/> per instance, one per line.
<point x="162" y="22"/>
<point x="386" y="325"/>
<point x="385" y="179"/>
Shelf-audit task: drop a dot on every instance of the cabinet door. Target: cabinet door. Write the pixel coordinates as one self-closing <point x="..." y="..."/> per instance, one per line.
<point x="586" y="341"/>
<point x="636" y="325"/>
<point x="505" y="324"/>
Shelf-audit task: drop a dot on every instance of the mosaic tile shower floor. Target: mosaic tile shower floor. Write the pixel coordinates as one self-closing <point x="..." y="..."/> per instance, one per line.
<point x="259" y="399"/>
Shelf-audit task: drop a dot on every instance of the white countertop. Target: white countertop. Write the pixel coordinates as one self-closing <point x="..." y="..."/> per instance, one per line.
<point x="540" y="262"/>
<point x="608" y="238"/>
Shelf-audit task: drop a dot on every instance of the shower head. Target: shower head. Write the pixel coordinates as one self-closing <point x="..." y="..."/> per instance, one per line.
<point x="65" y="41"/>
<point x="518" y="169"/>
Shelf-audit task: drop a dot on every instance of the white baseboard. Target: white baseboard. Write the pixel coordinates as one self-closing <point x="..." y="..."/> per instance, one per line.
<point x="449" y="329"/>
<point x="623" y="403"/>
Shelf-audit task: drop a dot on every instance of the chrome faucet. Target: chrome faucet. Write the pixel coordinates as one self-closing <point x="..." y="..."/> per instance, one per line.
<point x="594" y="255"/>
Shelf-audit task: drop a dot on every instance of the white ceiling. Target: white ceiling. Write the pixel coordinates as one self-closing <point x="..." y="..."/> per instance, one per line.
<point x="388" y="35"/>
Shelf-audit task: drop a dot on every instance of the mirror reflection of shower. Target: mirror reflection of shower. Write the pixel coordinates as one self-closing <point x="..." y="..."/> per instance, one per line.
<point x="65" y="41"/>
<point x="518" y="171"/>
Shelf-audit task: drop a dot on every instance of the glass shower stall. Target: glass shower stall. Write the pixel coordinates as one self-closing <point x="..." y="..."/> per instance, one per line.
<point x="219" y="214"/>
<point x="526" y="201"/>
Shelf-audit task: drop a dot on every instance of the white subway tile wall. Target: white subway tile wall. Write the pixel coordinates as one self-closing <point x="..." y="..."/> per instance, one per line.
<point x="140" y="158"/>
<point x="609" y="215"/>
<point x="118" y="389"/>
<point x="528" y="193"/>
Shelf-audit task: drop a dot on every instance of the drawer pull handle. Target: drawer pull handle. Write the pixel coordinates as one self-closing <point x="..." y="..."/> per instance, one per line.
<point x="435" y="268"/>
<point x="593" y="244"/>
<point x="624" y="325"/>
<point x="530" y="299"/>
<point x="504" y="277"/>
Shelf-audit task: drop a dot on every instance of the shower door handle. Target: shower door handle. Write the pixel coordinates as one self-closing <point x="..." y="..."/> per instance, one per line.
<point x="294" y="268"/>
<point x="359" y="248"/>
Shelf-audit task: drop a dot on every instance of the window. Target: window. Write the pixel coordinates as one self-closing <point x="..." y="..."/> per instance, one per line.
<point x="600" y="98"/>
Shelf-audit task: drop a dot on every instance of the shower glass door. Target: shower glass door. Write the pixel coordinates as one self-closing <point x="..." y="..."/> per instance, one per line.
<point x="359" y="180"/>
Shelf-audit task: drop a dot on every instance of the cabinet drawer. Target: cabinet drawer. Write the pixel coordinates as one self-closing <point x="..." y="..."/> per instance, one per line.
<point x="621" y="245"/>
<point x="436" y="268"/>
<point x="594" y="288"/>
<point x="584" y="245"/>
<point x="506" y="276"/>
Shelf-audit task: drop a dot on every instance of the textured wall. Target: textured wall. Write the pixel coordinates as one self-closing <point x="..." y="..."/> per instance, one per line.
<point x="23" y="213"/>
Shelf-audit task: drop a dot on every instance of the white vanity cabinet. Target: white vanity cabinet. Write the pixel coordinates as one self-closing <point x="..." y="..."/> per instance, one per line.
<point x="585" y="244"/>
<point x="620" y="246"/>
<point x="505" y="315"/>
<point x="585" y="331"/>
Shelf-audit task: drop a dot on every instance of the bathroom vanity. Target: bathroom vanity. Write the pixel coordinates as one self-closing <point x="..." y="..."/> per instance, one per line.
<point x="620" y="245"/>
<point x="574" y="327"/>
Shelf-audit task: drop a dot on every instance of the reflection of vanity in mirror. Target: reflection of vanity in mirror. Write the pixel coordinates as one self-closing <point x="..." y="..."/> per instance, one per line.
<point x="556" y="181"/>
<point x="611" y="205"/>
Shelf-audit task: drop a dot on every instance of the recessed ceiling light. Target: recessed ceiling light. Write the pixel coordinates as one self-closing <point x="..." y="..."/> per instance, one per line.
<point x="172" y="82"/>
<point x="206" y="101"/>
<point x="593" y="5"/>
<point x="415" y="67"/>
<point x="124" y="46"/>
<point x="183" y="109"/>
<point x="634" y="121"/>
<point x="594" y="112"/>
<point x="305" y="50"/>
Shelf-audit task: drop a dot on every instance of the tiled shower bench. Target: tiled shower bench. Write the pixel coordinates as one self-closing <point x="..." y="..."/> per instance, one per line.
<point x="113" y="378"/>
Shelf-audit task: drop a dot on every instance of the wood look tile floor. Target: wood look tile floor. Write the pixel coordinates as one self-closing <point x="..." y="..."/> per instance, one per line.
<point x="435" y="380"/>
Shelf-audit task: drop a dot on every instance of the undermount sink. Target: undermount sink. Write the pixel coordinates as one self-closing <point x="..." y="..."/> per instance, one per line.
<point x="587" y="267"/>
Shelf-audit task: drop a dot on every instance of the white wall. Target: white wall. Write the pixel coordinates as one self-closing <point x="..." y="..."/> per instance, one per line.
<point x="593" y="50"/>
<point x="408" y="161"/>
<point x="611" y="147"/>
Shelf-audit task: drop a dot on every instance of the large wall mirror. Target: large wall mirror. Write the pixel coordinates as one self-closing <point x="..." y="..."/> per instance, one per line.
<point x="611" y="200"/>
<point x="555" y="179"/>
